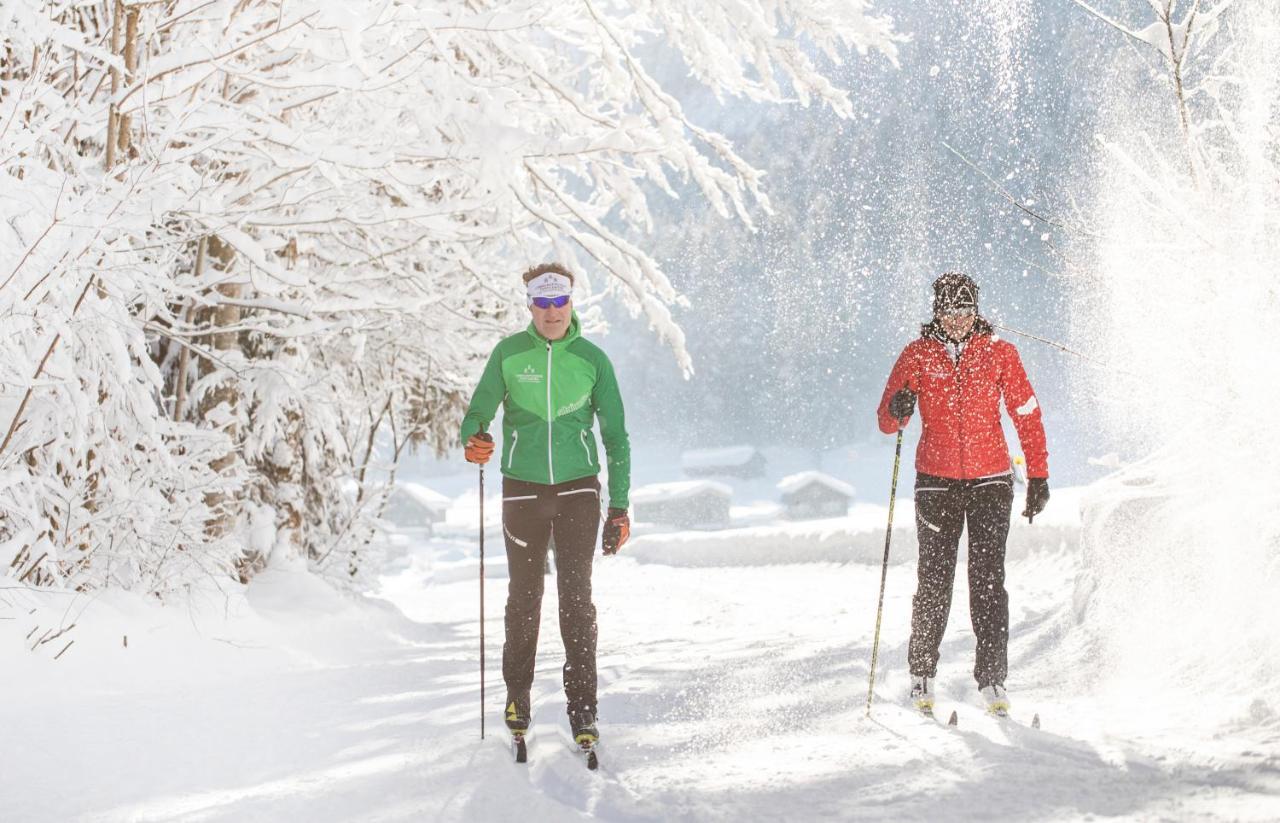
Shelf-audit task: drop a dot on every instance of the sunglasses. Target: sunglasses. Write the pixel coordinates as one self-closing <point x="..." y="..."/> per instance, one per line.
<point x="547" y="302"/>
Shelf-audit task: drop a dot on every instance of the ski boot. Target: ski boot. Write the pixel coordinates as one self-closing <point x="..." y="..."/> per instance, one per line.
<point x="586" y="735"/>
<point x="922" y="695"/>
<point x="517" y="717"/>
<point x="997" y="699"/>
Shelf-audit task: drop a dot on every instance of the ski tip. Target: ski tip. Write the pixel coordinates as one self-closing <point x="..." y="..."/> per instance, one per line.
<point x="593" y="762"/>
<point x="953" y="720"/>
<point x="1035" y="722"/>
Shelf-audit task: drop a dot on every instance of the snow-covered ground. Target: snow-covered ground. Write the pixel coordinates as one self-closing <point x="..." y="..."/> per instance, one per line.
<point x="729" y="690"/>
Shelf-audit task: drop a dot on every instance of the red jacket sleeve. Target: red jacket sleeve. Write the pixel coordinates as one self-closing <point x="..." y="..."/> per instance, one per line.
<point x="1022" y="405"/>
<point x="903" y="376"/>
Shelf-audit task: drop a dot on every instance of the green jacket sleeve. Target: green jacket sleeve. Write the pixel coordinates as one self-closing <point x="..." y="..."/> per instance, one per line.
<point x="489" y="393"/>
<point x="607" y="401"/>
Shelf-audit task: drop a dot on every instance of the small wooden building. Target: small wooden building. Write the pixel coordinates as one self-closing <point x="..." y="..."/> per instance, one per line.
<point x="812" y="495"/>
<point x="732" y="461"/>
<point x="413" y="507"/>
<point x="689" y="504"/>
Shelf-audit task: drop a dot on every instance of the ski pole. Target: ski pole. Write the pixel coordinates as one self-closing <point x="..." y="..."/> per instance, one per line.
<point x="482" y="601"/>
<point x="884" y="571"/>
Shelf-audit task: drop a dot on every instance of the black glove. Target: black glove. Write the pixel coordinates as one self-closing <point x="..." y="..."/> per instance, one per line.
<point x="1037" y="497"/>
<point x="617" y="529"/>
<point x="903" y="404"/>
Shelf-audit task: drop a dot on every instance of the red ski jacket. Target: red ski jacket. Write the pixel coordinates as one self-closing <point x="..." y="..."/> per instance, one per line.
<point x="960" y="407"/>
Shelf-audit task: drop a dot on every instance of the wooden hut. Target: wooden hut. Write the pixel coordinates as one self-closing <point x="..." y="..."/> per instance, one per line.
<point x="812" y="495"/>
<point x="689" y="504"/>
<point x="413" y="507"/>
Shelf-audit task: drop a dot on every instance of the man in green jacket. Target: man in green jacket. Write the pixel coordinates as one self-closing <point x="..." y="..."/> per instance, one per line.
<point x="552" y="383"/>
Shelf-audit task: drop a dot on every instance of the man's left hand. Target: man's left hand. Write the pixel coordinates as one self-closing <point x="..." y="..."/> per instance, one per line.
<point x="617" y="529"/>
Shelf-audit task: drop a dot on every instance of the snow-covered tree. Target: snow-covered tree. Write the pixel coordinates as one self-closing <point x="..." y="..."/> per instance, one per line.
<point x="251" y="250"/>
<point x="1180" y="304"/>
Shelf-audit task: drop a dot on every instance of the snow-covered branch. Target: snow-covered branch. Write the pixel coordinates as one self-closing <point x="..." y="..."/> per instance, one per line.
<point x="274" y="201"/>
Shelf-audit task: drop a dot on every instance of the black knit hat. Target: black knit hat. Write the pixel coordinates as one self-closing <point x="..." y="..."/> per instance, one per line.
<point x="952" y="291"/>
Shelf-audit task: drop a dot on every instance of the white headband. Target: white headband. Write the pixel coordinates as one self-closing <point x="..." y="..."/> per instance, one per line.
<point x="549" y="284"/>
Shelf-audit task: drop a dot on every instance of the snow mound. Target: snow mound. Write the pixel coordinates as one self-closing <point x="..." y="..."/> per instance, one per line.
<point x="857" y="538"/>
<point x="287" y="618"/>
<point x="1179" y="588"/>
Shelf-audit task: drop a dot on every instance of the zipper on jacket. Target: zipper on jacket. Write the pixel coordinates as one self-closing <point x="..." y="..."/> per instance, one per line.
<point x="511" y="455"/>
<point x="582" y="435"/>
<point x="551" y="466"/>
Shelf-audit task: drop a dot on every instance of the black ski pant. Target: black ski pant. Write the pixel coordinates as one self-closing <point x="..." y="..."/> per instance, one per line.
<point x="943" y="507"/>
<point x="531" y="513"/>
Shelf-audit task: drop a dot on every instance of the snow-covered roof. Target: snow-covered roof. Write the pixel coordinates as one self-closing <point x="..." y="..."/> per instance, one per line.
<point x="1110" y="460"/>
<point x="715" y="458"/>
<point x="424" y="496"/>
<point x="795" y="482"/>
<point x="663" y="492"/>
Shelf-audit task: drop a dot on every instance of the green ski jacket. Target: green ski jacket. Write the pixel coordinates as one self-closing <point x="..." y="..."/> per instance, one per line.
<point x="550" y="393"/>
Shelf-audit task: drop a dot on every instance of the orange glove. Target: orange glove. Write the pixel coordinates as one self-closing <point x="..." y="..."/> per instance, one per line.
<point x="617" y="528"/>
<point x="479" y="448"/>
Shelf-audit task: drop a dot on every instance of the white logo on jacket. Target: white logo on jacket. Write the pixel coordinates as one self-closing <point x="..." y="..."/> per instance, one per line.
<point x="574" y="406"/>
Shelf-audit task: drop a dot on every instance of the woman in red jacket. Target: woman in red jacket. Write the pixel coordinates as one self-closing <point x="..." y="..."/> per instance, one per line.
<point x="960" y="371"/>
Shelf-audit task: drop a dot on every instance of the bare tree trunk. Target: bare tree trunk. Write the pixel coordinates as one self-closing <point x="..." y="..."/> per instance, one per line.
<point x="124" y="131"/>
<point x="225" y="397"/>
<point x="353" y="559"/>
<point x="113" y="114"/>
<point x="184" y="356"/>
<point x="1176" y="58"/>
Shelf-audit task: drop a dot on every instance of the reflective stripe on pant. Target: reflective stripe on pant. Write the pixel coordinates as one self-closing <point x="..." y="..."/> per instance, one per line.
<point x="531" y="512"/>
<point x="943" y="506"/>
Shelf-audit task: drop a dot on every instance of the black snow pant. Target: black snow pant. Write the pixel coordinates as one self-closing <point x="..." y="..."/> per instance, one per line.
<point x="531" y="512"/>
<point x="943" y="506"/>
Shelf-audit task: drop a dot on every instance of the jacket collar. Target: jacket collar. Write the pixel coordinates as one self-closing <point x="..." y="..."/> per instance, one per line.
<point x="933" y="331"/>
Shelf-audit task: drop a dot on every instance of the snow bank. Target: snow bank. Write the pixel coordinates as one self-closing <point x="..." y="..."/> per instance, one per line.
<point x="223" y="707"/>
<point x="759" y="538"/>
<point x="858" y="538"/>
<point x="118" y="639"/>
<point x="1180" y="590"/>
